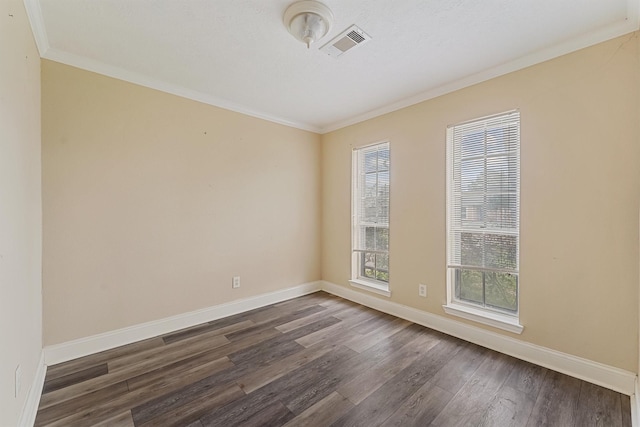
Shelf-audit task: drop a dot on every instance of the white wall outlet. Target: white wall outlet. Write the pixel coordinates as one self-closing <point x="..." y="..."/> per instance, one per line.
<point x="18" y="381"/>
<point x="422" y="290"/>
<point x="235" y="282"/>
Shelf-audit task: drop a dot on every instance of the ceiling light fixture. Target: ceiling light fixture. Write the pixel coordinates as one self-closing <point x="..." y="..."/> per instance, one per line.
<point x="308" y="20"/>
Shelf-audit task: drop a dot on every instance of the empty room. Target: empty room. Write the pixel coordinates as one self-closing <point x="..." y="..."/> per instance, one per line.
<point x="305" y="213"/>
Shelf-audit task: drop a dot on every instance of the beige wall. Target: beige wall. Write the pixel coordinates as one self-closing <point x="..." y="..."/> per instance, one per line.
<point x="153" y="202"/>
<point x="579" y="194"/>
<point x="20" y="209"/>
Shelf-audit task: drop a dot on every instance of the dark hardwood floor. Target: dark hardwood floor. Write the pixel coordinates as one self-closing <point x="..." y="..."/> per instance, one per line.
<point x="317" y="360"/>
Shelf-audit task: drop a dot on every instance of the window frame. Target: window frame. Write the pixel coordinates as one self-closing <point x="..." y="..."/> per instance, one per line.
<point x="481" y="313"/>
<point x="358" y="279"/>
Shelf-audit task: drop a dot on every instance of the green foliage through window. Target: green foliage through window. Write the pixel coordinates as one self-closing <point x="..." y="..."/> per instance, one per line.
<point x="487" y="288"/>
<point x="371" y="212"/>
<point x="483" y="211"/>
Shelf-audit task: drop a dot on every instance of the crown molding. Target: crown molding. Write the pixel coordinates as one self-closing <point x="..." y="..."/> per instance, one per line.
<point x="34" y="11"/>
<point x="600" y="36"/>
<point x="98" y="67"/>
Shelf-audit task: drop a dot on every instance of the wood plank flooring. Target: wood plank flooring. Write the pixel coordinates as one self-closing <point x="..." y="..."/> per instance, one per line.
<point x="317" y="360"/>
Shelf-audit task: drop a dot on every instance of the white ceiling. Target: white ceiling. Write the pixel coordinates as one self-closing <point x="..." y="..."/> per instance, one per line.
<point x="237" y="54"/>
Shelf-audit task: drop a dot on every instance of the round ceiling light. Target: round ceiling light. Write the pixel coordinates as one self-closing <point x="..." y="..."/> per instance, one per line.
<point x="308" y="20"/>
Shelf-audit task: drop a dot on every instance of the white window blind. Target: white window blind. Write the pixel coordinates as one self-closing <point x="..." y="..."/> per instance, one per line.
<point x="370" y="233"/>
<point x="483" y="206"/>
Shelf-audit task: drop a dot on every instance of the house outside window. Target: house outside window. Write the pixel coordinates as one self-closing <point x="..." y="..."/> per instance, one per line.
<point x="370" y="213"/>
<point x="483" y="219"/>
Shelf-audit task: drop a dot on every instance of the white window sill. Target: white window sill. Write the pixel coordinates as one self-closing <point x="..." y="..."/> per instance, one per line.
<point x="371" y="287"/>
<point x="497" y="320"/>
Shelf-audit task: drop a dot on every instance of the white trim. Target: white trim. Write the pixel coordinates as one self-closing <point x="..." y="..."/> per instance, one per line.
<point x="593" y="38"/>
<point x="606" y="33"/>
<point x="597" y="373"/>
<point x="30" y="408"/>
<point x="454" y="306"/>
<point x="371" y="287"/>
<point x="497" y="320"/>
<point x="34" y="12"/>
<point x="356" y="280"/>
<point x="84" y="346"/>
<point x="635" y="406"/>
<point x="140" y="79"/>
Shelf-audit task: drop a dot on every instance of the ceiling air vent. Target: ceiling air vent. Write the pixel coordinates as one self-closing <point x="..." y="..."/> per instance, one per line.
<point x="352" y="37"/>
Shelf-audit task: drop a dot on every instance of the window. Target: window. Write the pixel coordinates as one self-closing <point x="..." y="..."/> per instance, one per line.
<point x="483" y="210"/>
<point x="370" y="211"/>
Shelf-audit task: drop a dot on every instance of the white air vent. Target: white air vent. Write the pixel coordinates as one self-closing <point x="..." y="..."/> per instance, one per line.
<point x="352" y="37"/>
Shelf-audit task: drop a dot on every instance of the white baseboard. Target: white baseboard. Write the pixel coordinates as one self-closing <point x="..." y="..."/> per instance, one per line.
<point x="597" y="373"/>
<point x="94" y="344"/>
<point x="635" y="406"/>
<point x="30" y="408"/>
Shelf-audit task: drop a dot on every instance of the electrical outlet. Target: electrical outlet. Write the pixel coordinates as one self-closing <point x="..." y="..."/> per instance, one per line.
<point x="235" y="282"/>
<point x="422" y="290"/>
<point x="18" y="381"/>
